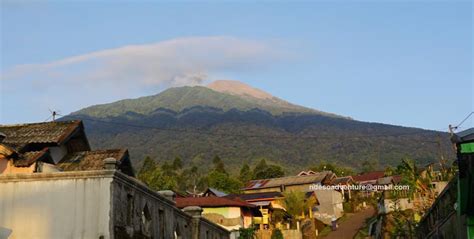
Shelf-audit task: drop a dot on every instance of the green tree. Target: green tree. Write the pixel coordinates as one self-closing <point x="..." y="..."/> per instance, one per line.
<point x="155" y="178"/>
<point x="339" y="171"/>
<point x="262" y="170"/>
<point x="245" y="173"/>
<point x="147" y="171"/>
<point x="177" y="163"/>
<point x="296" y="204"/>
<point x="369" y="165"/>
<point x="218" y="164"/>
<point x="223" y="182"/>
<point x="276" y="234"/>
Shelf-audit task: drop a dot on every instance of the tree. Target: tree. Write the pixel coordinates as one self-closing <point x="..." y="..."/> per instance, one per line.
<point x="262" y="170"/>
<point x="218" y="164"/>
<point x="261" y="165"/>
<point x="388" y="171"/>
<point x="155" y="178"/>
<point x="245" y="173"/>
<point x="147" y="170"/>
<point x="339" y="171"/>
<point x="296" y="204"/>
<point x="276" y="234"/>
<point x="369" y="165"/>
<point x="223" y="182"/>
<point x="177" y="163"/>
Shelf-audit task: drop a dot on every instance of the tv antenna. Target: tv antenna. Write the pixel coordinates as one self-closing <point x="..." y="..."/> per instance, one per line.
<point x="54" y="114"/>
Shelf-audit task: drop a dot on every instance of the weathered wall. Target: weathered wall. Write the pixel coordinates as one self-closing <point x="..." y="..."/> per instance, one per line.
<point x="54" y="205"/>
<point x="140" y="213"/>
<point x="7" y="167"/>
<point x="93" y="204"/>
<point x="330" y="205"/>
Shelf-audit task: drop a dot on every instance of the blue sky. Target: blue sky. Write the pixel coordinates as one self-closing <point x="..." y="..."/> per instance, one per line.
<point x="397" y="62"/>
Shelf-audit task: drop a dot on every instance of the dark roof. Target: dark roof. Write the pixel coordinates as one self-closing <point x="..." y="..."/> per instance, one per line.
<point x="94" y="160"/>
<point x="369" y="176"/>
<point x="466" y="135"/>
<point x="28" y="158"/>
<point x="256" y="196"/>
<point x="211" y="202"/>
<point x="214" y="192"/>
<point x="291" y="180"/>
<point x="342" y="180"/>
<point x="20" y="135"/>
<point x="25" y="159"/>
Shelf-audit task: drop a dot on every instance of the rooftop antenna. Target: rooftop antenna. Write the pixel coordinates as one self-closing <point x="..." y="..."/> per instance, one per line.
<point x="54" y="114"/>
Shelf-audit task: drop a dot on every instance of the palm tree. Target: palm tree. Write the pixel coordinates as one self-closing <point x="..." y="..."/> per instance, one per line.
<point x="296" y="204"/>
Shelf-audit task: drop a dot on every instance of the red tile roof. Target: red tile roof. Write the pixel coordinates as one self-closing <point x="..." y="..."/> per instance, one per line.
<point x="369" y="176"/>
<point x="210" y="202"/>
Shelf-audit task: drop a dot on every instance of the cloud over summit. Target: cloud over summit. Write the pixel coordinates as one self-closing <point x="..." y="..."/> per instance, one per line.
<point x="173" y="62"/>
<point x="134" y="70"/>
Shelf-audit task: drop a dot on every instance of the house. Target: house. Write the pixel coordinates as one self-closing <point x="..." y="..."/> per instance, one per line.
<point x="52" y="147"/>
<point x="291" y="183"/>
<point x="94" y="204"/>
<point x="213" y="192"/>
<point x="53" y="186"/>
<point x="344" y="181"/>
<point x="330" y="201"/>
<point x="232" y="214"/>
<point x="266" y="202"/>
<point x="368" y="177"/>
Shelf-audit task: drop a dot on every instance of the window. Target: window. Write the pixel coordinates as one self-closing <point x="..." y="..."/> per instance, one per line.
<point x="146" y="221"/>
<point x="129" y="209"/>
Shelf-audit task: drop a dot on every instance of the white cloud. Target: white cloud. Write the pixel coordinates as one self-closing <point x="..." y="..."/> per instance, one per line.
<point x="166" y="63"/>
<point x="134" y="70"/>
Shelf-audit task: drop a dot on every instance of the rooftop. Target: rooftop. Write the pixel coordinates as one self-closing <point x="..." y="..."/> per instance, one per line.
<point x="291" y="180"/>
<point x="256" y="196"/>
<point x="20" y="135"/>
<point x="369" y="176"/>
<point x="94" y="160"/>
<point x="211" y="202"/>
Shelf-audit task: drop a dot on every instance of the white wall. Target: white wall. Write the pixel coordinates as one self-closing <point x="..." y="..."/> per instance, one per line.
<point x="62" y="208"/>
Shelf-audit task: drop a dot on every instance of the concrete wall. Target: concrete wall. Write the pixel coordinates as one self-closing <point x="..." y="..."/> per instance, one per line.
<point x="93" y="204"/>
<point x="60" y="205"/>
<point x="228" y="217"/>
<point x="390" y="205"/>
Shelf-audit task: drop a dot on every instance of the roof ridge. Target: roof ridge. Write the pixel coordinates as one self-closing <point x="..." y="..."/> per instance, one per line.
<point x="38" y="123"/>
<point x="293" y="176"/>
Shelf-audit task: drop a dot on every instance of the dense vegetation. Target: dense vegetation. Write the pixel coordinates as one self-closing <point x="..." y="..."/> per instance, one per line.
<point x="194" y="179"/>
<point x="196" y="123"/>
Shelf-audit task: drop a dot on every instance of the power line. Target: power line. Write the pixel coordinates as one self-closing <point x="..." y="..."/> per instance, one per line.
<point x="202" y="132"/>
<point x="464" y="120"/>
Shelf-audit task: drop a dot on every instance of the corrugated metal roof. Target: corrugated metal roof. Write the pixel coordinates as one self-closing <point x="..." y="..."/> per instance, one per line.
<point x="291" y="180"/>
<point x="210" y="202"/>
<point x="369" y="176"/>
<point x="256" y="196"/>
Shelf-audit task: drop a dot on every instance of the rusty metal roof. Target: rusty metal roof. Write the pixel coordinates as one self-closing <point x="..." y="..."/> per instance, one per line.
<point x="291" y="180"/>
<point x="211" y="201"/>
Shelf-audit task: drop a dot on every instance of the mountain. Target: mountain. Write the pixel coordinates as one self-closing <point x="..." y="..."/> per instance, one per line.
<point x="225" y="95"/>
<point x="240" y="123"/>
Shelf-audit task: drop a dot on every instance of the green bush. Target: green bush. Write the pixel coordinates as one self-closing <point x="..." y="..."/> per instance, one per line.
<point x="276" y="234"/>
<point x="348" y="207"/>
<point x="246" y="233"/>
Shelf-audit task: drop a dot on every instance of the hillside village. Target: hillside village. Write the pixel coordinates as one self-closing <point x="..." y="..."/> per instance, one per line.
<point x="50" y="174"/>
